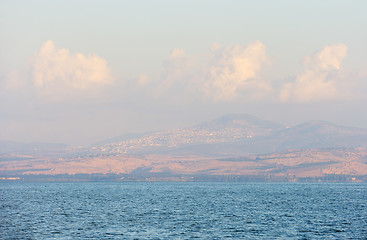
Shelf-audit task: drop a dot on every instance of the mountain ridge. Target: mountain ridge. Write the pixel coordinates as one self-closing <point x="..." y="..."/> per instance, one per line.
<point x="240" y="133"/>
<point x="225" y="148"/>
<point x="243" y="134"/>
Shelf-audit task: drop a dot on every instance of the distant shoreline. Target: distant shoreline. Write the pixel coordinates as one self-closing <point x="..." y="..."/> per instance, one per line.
<point x="337" y="178"/>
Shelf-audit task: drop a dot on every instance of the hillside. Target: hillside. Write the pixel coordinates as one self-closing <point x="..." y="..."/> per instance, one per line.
<point x="233" y="145"/>
<point x="239" y="134"/>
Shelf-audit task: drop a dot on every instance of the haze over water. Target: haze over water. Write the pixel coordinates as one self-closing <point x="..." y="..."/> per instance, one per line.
<point x="76" y="73"/>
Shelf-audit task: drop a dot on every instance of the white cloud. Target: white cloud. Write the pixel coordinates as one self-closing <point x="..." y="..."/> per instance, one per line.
<point x="319" y="80"/>
<point x="219" y="76"/>
<point x="176" y="70"/>
<point x="234" y="68"/>
<point x="142" y="79"/>
<point x="177" y="53"/>
<point x="53" y="67"/>
<point x="330" y="57"/>
<point x="235" y="72"/>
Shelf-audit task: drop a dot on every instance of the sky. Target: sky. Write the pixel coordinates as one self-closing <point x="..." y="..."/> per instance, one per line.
<point x="79" y="72"/>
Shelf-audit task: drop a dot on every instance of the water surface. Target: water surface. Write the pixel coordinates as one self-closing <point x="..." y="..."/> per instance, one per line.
<point x="183" y="210"/>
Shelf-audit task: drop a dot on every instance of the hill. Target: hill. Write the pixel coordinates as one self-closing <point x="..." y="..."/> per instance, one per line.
<point x="236" y="146"/>
<point x="240" y="134"/>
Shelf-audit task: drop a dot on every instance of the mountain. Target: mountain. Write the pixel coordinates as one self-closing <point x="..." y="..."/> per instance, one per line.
<point x="230" y="133"/>
<point x="124" y="137"/>
<point x="319" y="134"/>
<point x="233" y="134"/>
<point x="240" y="134"/>
<point x="231" y="147"/>
<point x="25" y="148"/>
<point x="251" y="123"/>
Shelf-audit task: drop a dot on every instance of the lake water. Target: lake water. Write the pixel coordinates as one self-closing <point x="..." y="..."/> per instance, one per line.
<point x="183" y="210"/>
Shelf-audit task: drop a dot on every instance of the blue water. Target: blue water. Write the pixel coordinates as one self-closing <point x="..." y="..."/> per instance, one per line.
<point x="183" y="210"/>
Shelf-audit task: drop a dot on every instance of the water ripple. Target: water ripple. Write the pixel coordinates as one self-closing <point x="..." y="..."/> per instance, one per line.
<point x="146" y="210"/>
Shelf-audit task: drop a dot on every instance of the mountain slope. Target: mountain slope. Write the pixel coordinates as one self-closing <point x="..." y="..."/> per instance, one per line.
<point x="222" y="135"/>
<point x="244" y="121"/>
<point x="231" y="145"/>
<point x="238" y="134"/>
<point x="319" y="134"/>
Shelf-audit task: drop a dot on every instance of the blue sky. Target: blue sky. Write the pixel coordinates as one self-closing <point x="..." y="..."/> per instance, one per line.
<point x="81" y="71"/>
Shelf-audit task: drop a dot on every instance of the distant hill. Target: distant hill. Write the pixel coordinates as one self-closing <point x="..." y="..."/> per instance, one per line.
<point x="222" y="135"/>
<point x="233" y="134"/>
<point x="241" y="134"/>
<point x="124" y="137"/>
<point x="232" y="147"/>
<point x="319" y="134"/>
<point x="244" y="121"/>
<point x="25" y="148"/>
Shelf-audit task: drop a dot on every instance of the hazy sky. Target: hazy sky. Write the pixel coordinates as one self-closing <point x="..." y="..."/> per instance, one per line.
<point x="78" y="72"/>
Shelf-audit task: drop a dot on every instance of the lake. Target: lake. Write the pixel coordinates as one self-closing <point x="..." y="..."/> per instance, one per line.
<point x="183" y="210"/>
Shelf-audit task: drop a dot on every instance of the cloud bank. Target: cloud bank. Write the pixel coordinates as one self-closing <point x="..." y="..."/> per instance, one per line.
<point x="219" y="75"/>
<point x="232" y="69"/>
<point x="177" y="72"/>
<point x="235" y="72"/>
<point x="54" y="70"/>
<point x="319" y="80"/>
<point x="223" y="73"/>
